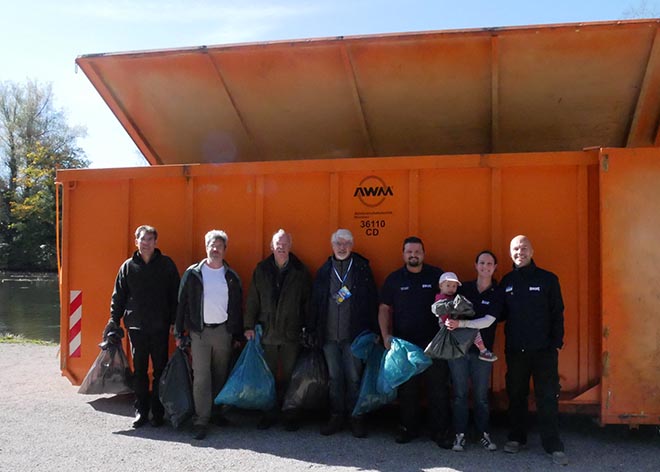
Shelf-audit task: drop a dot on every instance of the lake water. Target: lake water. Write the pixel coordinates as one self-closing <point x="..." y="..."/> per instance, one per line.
<point x="30" y="305"/>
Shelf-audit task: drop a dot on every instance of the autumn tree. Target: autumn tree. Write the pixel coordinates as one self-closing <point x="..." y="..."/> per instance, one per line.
<point x="35" y="140"/>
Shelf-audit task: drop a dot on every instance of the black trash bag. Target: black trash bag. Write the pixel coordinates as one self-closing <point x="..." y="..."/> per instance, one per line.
<point x="457" y="308"/>
<point x="110" y="372"/>
<point x="175" y="388"/>
<point x="309" y="385"/>
<point x="451" y="344"/>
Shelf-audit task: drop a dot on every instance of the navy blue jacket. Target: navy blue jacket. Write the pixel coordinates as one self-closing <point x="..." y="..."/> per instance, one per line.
<point x="411" y="296"/>
<point x="488" y="302"/>
<point x="364" y="299"/>
<point x="533" y="309"/>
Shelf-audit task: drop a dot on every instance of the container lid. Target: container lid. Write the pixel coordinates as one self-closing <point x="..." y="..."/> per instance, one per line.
<point x="495" y="90"/>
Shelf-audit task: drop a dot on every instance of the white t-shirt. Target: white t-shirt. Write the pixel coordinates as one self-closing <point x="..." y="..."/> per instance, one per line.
<point x="216" y="294"/>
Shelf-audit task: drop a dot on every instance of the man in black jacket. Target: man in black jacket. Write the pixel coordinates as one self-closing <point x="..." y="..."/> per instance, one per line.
<point x="344" y="303"/>
<point x="145" y="296"/>
<point x="534" y="315"/>
<point x="279" y="299"/>
<point x="211" y="312"/>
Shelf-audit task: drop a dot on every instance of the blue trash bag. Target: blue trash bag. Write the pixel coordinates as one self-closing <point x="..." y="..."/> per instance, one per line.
<point x="402" y="361"/>
<point x="369" y="398"/>
<point x="251" y="384"/>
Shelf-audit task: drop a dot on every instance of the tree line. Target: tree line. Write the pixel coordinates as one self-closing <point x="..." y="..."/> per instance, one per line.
<point x="35" y="141"/>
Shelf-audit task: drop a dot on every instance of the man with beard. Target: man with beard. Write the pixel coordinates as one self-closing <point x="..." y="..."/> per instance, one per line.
<point x="344" y="304"/>
<point x="405" y="312"/>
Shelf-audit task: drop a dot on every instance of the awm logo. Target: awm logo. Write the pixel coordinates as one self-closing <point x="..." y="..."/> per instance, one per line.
<point x="372" y="191"/>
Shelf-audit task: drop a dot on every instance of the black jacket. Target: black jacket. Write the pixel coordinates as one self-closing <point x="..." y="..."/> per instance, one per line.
<point x="533" y="309"/>
<point x="488" y="302"/>
<point x="145" y="295"/>
<point x="363" y="301"/>
<point x="281" y="311"/>
<point x="190" y="314"/>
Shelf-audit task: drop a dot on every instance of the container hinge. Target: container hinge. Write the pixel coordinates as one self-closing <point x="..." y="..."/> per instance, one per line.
<point x="605" y="162"/>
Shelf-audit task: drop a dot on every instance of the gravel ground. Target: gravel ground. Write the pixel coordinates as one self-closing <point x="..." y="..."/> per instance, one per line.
<point x="46" y="426"/>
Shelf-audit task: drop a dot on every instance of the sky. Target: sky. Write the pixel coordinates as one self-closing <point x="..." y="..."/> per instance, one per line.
<point x="40" y="39"/>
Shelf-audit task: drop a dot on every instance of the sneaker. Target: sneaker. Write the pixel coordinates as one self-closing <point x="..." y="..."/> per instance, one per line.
<point x="459" y="443"/>
<point x="140" y="419"/>
<point x="486" y="443"/>
<point x="559" y="458"/>
<point x="334" y="425"/>
<point x="513" y="447"/>
<point x="487" y="356"/>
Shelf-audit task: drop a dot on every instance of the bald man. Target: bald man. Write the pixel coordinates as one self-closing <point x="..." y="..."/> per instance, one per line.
<point x="534" y="315"/>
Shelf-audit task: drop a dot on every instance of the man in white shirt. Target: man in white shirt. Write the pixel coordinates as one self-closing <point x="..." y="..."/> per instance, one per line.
<point x="211" y="325"/>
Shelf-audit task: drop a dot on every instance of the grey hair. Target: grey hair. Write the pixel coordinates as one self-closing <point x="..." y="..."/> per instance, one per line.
<point x="278" y="234"/>
<point x="214" y="234"/>
<point x="341" y="233"/>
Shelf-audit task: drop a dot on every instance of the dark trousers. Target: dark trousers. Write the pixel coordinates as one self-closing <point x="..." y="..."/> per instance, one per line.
<point x="282" y="358"/>
<point x="143" y="347"/>
<point x="436" y="381"/>
<point x="542" y="367"/>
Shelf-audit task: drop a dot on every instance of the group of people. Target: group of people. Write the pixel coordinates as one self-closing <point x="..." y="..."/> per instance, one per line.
<point x="205" y="308"/>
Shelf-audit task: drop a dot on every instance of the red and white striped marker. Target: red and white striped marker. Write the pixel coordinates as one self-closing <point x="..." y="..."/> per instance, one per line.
<point x="75" y="323"/>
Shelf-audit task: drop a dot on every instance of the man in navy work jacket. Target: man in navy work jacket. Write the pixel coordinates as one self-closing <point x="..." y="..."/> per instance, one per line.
<point x="145" y="296"/>
<point x="405" y="312"/>
<point x="534" y="314"/>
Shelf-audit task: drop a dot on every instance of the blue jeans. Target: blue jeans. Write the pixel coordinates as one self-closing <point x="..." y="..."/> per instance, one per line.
<point x="345" y="372"/>
<point x="463" y="370"/>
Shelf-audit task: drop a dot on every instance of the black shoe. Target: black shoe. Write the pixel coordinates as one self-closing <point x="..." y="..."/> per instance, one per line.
<point x="358" y="427"/>
<point x="140" y="419"/>
<point x="334" y="425"/>
<point x="200" y="431"/>
<point x="443" y="440"/>
<point x="405" y="435"/>
<point x="157" y="421"/>
<point x="291" y="424"/>
<point x="220" y="420"/>
<point x="265" y="422"/>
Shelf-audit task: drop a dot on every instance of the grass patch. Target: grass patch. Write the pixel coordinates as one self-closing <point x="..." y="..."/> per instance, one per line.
<point x="9" y="338"/>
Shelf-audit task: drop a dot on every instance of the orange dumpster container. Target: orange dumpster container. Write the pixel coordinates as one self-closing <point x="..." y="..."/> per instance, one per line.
<point x="464" y="138"/>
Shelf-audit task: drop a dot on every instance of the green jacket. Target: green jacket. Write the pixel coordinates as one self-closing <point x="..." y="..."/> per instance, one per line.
<point x="281" y="313"/>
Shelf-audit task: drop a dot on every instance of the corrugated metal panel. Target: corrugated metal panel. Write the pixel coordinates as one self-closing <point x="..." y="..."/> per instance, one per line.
<point x="527" y="89"/>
